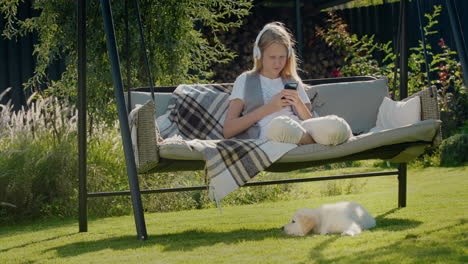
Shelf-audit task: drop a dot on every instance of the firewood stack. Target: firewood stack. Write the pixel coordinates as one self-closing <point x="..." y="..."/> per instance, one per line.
<point x="319" y="60"/>
<point x="239" y="40"/>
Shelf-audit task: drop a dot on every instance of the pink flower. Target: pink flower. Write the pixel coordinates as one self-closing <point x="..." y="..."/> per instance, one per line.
<point x="336" y="73"/>
<point x="442" y="42"/>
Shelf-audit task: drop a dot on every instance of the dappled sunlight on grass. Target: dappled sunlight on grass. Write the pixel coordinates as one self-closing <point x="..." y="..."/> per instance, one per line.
<point x="432" y="228"/>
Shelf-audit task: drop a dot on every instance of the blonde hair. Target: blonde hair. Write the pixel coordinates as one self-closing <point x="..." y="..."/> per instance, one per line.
<point x="276" y="32"/>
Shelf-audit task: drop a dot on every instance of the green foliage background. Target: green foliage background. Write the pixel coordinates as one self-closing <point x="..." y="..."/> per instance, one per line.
<point x="178" y="49"/>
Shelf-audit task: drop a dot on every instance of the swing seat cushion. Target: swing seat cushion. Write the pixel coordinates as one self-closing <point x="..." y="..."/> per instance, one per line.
<point x="422" y="131"/>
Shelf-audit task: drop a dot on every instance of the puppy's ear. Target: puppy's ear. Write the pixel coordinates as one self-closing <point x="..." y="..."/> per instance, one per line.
<point x="308" y="222"/>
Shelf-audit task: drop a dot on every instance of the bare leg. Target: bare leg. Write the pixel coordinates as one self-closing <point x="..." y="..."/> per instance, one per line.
<point x="306" y="139"/>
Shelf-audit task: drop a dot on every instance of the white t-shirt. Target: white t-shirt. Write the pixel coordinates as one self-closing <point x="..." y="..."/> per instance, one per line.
<point x="270" y="87"/>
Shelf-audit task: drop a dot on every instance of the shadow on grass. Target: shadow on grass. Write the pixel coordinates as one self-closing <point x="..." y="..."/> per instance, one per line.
<point x="394" y="224"/>
<point x="184" y="241"/>
<point x="34" y="225"/>
<point x="413" y="248"/>
<point x="29" y="226"/>
<point x="191" y="239"/>
<point x="36" y="242"/>
<point x="410" y="245"/>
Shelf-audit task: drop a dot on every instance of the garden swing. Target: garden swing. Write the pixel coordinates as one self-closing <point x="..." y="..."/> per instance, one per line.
<point x="145" y="152"/>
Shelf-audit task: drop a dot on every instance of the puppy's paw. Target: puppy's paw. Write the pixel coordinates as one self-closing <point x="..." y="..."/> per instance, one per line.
<point x="349" y="233"/>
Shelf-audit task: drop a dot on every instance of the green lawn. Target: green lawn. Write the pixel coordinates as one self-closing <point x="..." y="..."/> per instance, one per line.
<point x="431" y="229"/>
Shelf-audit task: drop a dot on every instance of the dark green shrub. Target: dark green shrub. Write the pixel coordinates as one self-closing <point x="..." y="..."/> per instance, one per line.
<point x="454" y="150"/>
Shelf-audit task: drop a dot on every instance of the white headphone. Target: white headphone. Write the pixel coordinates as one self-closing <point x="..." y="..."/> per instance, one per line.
<point x="256" y="50"/>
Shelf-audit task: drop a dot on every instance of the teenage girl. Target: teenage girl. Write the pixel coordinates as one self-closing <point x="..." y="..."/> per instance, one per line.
<point x="259" y="106"/>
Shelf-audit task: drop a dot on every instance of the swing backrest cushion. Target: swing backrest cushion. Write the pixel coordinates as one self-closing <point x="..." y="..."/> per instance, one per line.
<point x="162" y="100"/>
<point x="356" y="102"/>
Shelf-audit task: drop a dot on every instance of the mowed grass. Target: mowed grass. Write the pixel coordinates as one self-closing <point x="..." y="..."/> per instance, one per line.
<point x="431" y="229"/>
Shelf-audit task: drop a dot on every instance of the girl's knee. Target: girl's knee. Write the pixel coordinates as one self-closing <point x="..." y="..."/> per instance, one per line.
<point x="328" y="130"/>
<point x="285" y="130"/>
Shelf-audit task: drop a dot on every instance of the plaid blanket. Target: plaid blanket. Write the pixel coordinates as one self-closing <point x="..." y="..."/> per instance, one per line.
<point x="196" y="113"/>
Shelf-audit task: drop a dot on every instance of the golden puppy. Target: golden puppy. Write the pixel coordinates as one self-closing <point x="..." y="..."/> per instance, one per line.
<point x="347" y="218"/>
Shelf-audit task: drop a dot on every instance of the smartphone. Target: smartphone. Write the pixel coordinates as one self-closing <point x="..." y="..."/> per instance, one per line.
<point x="291" y="86"/>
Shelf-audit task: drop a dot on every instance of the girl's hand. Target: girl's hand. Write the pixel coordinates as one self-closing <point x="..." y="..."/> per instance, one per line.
<point x="291" y="97"/>
<point x="278" y="102"/>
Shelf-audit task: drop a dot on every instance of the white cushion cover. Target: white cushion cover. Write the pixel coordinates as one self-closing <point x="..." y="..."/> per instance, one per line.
<point x="394" y="114"/>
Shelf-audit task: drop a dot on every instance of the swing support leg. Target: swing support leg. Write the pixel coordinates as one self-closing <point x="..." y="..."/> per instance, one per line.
<point x="83" y="192"/>
<point x="402" y="168"/>
<point x="123" y="119"/>
<point x="402" y="179"/>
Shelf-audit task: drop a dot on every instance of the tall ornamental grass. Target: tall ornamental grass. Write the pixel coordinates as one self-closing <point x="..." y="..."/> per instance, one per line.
<point x="37" y="158"/>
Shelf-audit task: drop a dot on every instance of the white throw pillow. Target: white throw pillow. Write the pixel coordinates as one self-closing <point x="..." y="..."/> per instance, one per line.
<point x="394" y="114"/>
<point x="328" y="130"/>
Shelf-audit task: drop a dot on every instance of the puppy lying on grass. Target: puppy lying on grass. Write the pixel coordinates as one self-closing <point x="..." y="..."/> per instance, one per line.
<point x="347" y="218"/>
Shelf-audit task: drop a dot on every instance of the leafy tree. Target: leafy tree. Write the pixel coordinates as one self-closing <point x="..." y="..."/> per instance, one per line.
<point x="359" y="53"/>
<point x="175" y="30"/>
<point x="359" y="56"/>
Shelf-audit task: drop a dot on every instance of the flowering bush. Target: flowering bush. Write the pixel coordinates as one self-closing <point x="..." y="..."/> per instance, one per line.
<point x="452" y="96"/>
<point x="358" y="52"/>
<point x="444" y="70"/>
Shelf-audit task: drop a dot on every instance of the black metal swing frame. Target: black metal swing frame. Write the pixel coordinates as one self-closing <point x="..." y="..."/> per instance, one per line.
<point x="135" y="191"/>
